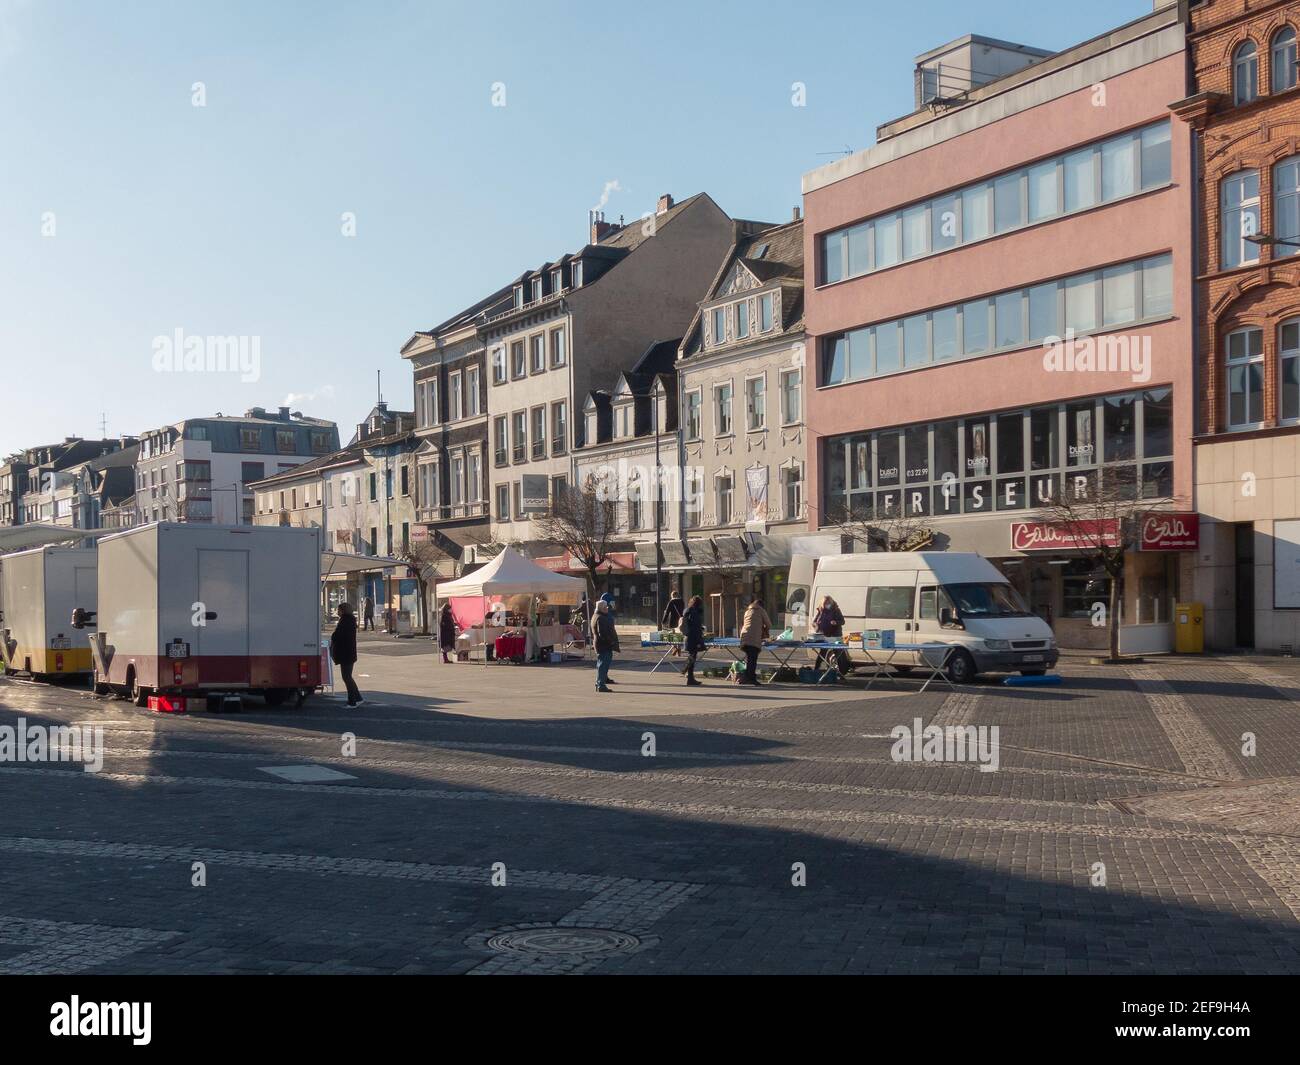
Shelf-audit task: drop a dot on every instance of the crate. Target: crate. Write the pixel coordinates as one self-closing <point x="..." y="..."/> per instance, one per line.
<point x="167" y="704"/>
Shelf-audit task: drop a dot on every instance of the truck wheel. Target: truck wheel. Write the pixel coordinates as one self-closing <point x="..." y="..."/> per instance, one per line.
<point x="139" y="695"/>
<point x="961" y="670"/>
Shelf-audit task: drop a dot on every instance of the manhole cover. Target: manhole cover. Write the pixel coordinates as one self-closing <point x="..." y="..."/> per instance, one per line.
<point x="551" y="940"/>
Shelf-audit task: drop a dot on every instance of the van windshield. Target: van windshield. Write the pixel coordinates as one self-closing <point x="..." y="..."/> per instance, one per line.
<point x="986" y="601"/>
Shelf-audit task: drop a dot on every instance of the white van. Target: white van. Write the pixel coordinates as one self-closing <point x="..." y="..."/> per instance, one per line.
<point x="928" y="597"/>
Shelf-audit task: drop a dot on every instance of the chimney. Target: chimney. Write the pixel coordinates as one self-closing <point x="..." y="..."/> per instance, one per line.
<point x="284" y="414"/>
<point x="795" y="217"/>
<point x="600" y="229"/>
<point x="665" y="203"/>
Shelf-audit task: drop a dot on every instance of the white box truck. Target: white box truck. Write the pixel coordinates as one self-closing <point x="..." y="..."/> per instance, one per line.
<point x="41" y="588"/>
<point x="194" y="609"/>
<point x="951" y="597"/>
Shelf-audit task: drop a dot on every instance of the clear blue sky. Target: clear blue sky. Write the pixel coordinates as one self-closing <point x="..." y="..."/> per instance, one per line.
<point x="225" y="219"/>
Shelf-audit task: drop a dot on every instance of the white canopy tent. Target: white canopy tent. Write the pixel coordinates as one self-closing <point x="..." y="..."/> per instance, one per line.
<point x="509" y="574"/>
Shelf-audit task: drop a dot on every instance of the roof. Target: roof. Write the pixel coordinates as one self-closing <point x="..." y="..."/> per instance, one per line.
<point x="124" y="457"/>
<point x="512" y="574"/>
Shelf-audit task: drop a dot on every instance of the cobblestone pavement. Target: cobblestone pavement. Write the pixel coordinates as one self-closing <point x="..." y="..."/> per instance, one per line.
<point x="454" y="842"/>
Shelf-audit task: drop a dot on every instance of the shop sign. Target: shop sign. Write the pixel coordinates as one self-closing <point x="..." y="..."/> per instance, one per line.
<point x="1071" y="536"/>
<point x="1170" y="532"/>
<point x="533" y="490"/>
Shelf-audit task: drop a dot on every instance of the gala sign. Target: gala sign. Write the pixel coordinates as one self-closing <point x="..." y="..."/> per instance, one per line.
<point x="1170" y="532"/>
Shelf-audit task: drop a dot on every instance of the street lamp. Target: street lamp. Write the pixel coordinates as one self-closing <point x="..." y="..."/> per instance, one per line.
<point x="1265" y="240"/>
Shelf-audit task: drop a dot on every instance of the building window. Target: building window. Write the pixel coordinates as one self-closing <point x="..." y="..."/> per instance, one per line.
<point x="1286" y="205"/>
<point x="575" y="274"/>
<point x="1288" y="351"/>
<point x="503" y="502"/>
<point x="1239" y="212"/>
<point x="518" y="492"/>
<point x="539" y="432"/>
<point x="723" y="488"/>
<point x="559" y="489"/>
<point x="719" y="325"/>
<point x="250" y="439"/>
<point x="558" y="353"/>
<point x="792" y="491"/>
<point x="519" y="451"/>
<point x="559" y="428"/>
<point x="791" y="397"/>
<point x="634" y="506"/>
<point x="518" y="360"/>
<point x="537" y="345"/>
<point x="756" y="403"/>
<point x="429" y="498"/>
<point x="455" y="409"/>
<point x="765" y="311"/>
<point x="742" y="319"/>
<point x="693" y="403"/>
<point x="498" y="366"/>
<point x="251" y="471"/>
<point x="472" y="403"/>
<point x="286" y="441"/>
<point x="406" y="480"/>
<point x="500" y="428"/>
<point x="1282" y="60"/>
<point x="1246" y="379"/>
<point x="1120" y="295"/>
<point x="1084" y="584"/>
<point x="519" y="296"/>
<point x="320" y="442"/>
<point x="722" y="409"/>
<point x="624" y="422"/>
<point x="1102" y="172"/>
<point x="536" y="289"/>
<point x="1245" y="73"/>
<point x="457" y="485"/>
<point x="473" y="476"/>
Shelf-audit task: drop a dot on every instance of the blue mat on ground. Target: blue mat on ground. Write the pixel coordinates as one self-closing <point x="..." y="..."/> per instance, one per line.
<point x="1029" y="682"/>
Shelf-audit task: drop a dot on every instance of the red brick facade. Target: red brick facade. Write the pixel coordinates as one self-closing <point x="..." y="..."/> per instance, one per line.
<point x="1231" y="138"/>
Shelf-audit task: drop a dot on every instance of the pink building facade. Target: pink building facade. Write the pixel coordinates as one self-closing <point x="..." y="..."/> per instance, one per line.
<point x="950" y="261"/>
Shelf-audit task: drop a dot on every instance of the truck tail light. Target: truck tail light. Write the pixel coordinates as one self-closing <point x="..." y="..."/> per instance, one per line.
<point x="177" y="673"/>
<point x="302" y="671"/>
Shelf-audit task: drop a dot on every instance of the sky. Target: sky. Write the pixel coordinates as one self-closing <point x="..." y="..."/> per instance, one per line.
<point x="359" y="171"/>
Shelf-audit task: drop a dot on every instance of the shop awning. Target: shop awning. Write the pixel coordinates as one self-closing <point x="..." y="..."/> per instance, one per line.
<point x="334" y="563"/>
<point x="22" y="537"/>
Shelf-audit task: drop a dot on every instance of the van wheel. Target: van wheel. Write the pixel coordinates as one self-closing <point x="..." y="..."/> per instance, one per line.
<point x="961" y="670"/>
<point x="904" y="670"/>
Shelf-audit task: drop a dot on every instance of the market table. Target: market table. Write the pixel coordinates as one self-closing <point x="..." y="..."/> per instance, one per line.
<point x="882" y="658"/>
<point x="781" y="650"/>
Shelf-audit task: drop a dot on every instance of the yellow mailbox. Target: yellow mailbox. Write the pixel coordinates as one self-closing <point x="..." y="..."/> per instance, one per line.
<point x="1189" y="628"/>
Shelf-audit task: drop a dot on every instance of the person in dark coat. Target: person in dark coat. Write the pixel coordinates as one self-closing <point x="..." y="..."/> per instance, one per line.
<point x="343" y="650"/>
<point x="829" y="622"/>
<point x="672" y="615"/>
<point x="446" y="631"/>
<point x="693" y="630"/>
<point x="606" y="644"/>
<point x="608" y="600"/>
<point x="367" y="613"/>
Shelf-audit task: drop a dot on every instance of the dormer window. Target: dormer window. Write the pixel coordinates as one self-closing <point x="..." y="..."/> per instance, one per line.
<point x="719" y="325"/>
<point x="742" y="320"/>
<point x="519" y="296"/>
<point x="590" y="436"/>
<point x="537" y="289"/>
<point x="766" y="305"/>
<point x="575" y="274"/>
<point x="557" y="280"/>
<point x="624" y="422"/>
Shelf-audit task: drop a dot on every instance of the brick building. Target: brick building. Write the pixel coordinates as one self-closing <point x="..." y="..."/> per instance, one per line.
<point x="1244" y="115"/>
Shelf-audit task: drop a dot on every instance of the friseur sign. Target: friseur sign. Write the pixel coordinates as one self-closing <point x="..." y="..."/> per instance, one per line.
<point x="1170" y="532"/>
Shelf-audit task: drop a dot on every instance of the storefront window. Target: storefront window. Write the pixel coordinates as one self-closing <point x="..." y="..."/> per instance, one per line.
<point x="1044" y="448"/>
<point x="1011" y="443"/>
<point x="887" y="459"/>
<point x="1083" y="585"/>
<point x="978" y="453"/>
<point x="945" y="451"/>
<point x="1081" y="447"/>
<point x="1120" y="420"/>
<point x="917" y="454"/>
<point x="1157" y="422"/>
<point x="861" y="446"/>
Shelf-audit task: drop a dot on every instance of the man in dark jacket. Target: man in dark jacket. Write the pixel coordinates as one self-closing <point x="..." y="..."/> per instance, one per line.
<point x="606" y="644"/>
<point x="343" y="650"/>
<point x="672" y="615"/>
<point x="829" y="622"/>
<point x="693" y="630"/>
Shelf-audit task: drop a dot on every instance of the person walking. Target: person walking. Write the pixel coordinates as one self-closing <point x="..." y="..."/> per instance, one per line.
<point x="672" y="617"/>
<point x="829" y="622"/>
<point x="343" y="650"/>
<point x="367" y="614"/>
<point x="608" y="600"/>
<point x="756" y="628"/>
<point x="606" y="644"/>
<point x="446" y="631"/>
<point x="693" y="630"/>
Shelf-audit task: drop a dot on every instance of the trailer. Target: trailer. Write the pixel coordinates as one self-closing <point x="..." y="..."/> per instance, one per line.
<point x="40" y="589"/>
<point x="195" y="610"/>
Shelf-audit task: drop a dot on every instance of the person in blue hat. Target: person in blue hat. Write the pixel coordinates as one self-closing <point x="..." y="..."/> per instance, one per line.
<point x="608" y="600"/>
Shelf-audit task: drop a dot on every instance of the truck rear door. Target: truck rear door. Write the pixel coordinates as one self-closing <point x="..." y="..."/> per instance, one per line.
<point x="223" y="591"/>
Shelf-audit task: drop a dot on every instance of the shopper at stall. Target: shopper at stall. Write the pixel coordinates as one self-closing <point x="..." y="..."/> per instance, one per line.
<point x="829" y="622"/>
<point x="672" y="618"/>
<point x="446" y="632"/>
<point x="693" y="631"/>
<point x="756" y="628"/>
<point x="606" y="644"/>
<point x="608" y="600"/>
<point x="343" y="650"/>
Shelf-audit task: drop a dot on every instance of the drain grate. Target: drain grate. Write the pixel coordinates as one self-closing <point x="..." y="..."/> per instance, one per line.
<point x="557" y="941"/>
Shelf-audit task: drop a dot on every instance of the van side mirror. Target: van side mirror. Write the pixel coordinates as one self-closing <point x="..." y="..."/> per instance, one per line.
<point x="947" y="617"/>
<point x="81" y="618"/>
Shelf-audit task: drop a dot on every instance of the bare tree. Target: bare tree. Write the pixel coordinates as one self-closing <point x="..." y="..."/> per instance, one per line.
<point x="879" y="532"/>
<point x="584" y="521"/>
<point x="424" y="558"/>
<point x="1104" y="524"/>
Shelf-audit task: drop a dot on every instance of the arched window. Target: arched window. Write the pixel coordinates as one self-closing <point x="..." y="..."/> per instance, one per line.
<point x="1245" y="73"/>
<point x="1288" y="354"/>
<point x="1282" y="59"/>
<point x="1239" y="219"/>
<point x="1286" y="205"/>
<point x="1245" y="365"/>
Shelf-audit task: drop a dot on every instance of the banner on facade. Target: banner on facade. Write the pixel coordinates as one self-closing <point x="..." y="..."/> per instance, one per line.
<point x="533" y="492"/>
<point x="1170" y="532"/>
<point x="756" y="494"/>
<point x="1064" y="536"/>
